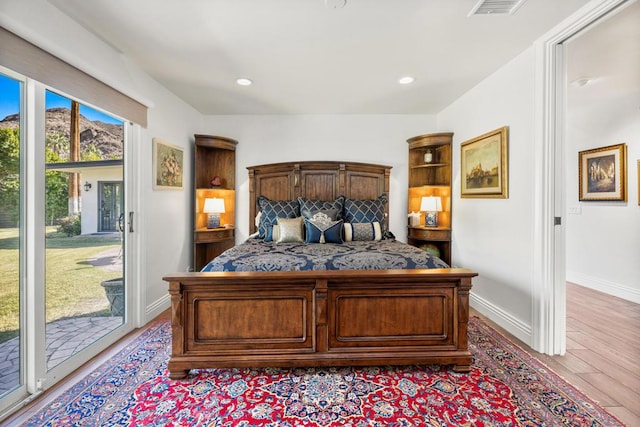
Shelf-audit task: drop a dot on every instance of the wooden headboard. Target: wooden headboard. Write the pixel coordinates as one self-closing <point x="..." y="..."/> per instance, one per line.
<point x="316" y="180"/>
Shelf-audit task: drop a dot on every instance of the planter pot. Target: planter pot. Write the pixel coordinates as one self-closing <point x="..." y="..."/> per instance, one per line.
<point x="114" y="288"/>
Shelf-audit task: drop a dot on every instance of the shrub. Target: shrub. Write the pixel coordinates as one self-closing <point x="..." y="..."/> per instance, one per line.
<point x="70" y="225"/>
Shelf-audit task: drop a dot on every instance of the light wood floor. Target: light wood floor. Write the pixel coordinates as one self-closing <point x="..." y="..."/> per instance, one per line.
<point x="602" y="359"/>
<point x="603" y="351"/>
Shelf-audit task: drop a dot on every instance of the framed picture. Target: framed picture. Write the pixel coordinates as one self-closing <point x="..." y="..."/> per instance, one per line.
<point x="484" y="167"/>
<point x="168" y="166"/>
<point x="602" y="173"/>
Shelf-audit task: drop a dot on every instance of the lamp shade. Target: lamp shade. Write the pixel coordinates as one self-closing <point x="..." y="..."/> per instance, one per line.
<point x="214" y="205"/>
<point x="431" y="204"/>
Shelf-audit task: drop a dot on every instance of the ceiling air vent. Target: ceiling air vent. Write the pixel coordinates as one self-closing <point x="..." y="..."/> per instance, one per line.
<point x="496" y="7"/>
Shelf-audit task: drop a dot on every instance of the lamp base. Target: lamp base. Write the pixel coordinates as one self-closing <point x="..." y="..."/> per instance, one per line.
<point x="431" y="219"/>
<point x="213" y="221"/>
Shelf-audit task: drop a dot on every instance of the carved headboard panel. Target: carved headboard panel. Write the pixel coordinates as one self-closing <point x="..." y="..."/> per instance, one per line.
<point x="316" y="181"/>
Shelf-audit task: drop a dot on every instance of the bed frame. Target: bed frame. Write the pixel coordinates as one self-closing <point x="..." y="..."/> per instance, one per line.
<point x="319" y="318"/>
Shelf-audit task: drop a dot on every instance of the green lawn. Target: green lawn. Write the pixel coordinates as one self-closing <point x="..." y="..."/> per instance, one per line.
<point x="73" y="285"/>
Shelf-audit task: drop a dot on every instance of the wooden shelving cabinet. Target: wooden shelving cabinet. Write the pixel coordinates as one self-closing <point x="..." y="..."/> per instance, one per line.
<point x="213" y="156"/>
<point x="430" y="175"/>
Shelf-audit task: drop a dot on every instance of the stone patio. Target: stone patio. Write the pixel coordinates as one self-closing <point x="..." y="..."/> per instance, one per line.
<point x="64" y="337"/>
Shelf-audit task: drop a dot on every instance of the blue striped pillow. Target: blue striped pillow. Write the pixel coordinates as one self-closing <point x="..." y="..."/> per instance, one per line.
<point x="362" y="231"/>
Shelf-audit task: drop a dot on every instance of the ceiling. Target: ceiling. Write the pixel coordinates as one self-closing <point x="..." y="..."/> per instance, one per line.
<point x="603" y="62"/>
<point x="307" y="58"/>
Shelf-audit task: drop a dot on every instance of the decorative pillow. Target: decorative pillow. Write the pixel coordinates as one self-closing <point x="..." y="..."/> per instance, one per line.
<point x="289" y="230"/>
<point x="309" y="207"/>
<point x="271" y="211"/>
<point x="362" y="231"/>
<point x="321" y="229"/>
<point x="365" y="210"/>
<point x="332" y="213"/>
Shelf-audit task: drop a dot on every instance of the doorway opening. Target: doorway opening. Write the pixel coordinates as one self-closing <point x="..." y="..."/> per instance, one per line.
<point x="111" y="200"/>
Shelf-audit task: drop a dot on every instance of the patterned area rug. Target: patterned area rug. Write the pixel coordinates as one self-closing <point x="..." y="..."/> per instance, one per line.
<point x="506" y="387"/>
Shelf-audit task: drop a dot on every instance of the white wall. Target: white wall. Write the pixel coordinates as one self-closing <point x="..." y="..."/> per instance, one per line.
<point x="162" y="218"/>
<point x="377" y="139"/>
<point x="494" y="237"/>
<point x="603" y="250"/>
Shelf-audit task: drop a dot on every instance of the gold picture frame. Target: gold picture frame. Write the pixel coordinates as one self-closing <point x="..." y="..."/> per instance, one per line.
<point x="602" y="174"/>
<point x="484" y="165"/>
<point x="168" y="166"/>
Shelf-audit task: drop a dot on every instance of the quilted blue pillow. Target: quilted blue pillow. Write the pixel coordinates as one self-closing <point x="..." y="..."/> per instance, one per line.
<point x="365" y="210"/>
<point x="321" y="229"/>
<point x="309" y="207"/>
<point x="271" y="211"/>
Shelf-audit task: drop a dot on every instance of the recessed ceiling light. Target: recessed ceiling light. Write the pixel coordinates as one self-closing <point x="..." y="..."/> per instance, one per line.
<point x="242" y="81"/>
<point x="406" y="80"/>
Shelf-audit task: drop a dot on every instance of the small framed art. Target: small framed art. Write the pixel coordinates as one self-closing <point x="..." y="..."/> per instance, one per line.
<point x="485" y="165"/>
<point x="602" y="173"/>
<point x="168" y="166"/>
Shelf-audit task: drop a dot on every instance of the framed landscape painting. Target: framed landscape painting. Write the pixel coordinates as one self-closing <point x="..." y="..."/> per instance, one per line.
<point x="168" y="166"/>
<point x="602" y="173"/>
<point x="484" y="167"/>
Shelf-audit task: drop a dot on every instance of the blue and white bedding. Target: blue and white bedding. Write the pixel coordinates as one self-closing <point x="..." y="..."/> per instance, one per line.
<point x="258" y="255"/>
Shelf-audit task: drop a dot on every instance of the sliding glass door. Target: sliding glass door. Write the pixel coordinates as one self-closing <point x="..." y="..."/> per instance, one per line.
<point x="85" y="295"/>
<point x="63" y="239"/>
<point x="11" y="240"/>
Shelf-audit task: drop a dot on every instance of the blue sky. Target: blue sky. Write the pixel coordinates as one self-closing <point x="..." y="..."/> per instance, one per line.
<point x="10" y="97"/>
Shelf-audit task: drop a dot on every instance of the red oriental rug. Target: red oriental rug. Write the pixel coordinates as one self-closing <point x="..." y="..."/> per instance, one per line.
<point x="506" y="387"/>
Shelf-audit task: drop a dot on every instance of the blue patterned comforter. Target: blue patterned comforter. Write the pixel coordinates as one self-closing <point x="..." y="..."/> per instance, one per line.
<point x="258" y="255"/>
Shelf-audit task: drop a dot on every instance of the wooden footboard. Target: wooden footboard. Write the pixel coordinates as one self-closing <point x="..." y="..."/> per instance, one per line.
<point x="319" y="318"/>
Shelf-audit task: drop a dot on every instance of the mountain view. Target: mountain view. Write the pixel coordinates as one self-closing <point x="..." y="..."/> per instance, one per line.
<point x="106" y="137"/>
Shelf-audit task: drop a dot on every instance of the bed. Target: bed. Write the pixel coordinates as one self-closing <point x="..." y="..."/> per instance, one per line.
<point x="404" y="307"/>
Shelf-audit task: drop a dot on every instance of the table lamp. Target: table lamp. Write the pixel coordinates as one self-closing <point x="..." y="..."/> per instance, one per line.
<point x="213" y="207"/>
<point x="431" y="206"/>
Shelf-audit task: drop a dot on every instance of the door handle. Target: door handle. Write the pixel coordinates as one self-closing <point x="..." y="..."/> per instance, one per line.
<point x="130" y="222"/>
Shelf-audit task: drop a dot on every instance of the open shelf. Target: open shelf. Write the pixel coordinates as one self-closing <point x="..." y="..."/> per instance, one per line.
<point x="431" y="178"/>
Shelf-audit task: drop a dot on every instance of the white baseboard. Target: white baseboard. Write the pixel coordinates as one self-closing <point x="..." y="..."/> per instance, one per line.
<point x="154" y="309"/>
<point x="515" y="326"/>
<point x="610" y="288"/>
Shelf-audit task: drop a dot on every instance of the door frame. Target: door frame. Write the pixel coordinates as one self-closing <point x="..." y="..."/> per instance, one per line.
<point x="101" y="196"/>
<point x="549" y="278"/>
